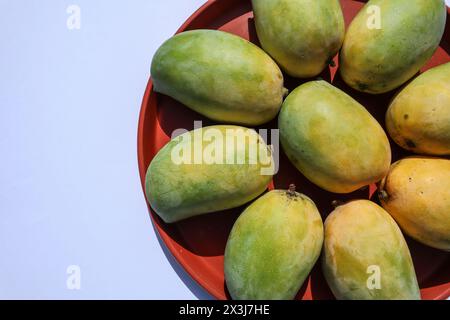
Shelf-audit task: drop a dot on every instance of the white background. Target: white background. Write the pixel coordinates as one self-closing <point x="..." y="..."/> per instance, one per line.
<point x="69" y="187"/>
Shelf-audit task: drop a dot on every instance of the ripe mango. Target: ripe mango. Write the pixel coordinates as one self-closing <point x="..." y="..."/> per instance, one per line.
<point x="273" y="246"/>
<point x="332" y="139"/>
<point x="418" y="119"/>
<point x="303" y="36"/>
<point x="389" y="41"/>
<point x="416" y="192"/>
<point x="365" y="256"/>
<point x="219" y="75"/>
<point x="206" y="170"/>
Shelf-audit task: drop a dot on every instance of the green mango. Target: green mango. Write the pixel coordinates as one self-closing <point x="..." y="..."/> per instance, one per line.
<point x="418" y="119"/>
<point x="206" y="170"/>
<point x="389" y="41"/>
<point x="273" y="246"/>
<point x="332" y="139"/>
<point x="303" y="36"/>
<point x="416" y="192"/>
<point x="219" y="75"/>
<point x="365" y="256"/>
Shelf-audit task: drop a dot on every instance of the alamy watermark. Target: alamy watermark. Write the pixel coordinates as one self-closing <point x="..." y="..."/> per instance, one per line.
<point x="374" y="19"/>
<point x="73" y="21"/>
<point x="232" y="146"/>
<point x="73" y="281"/>
<point x="374" y="280"/>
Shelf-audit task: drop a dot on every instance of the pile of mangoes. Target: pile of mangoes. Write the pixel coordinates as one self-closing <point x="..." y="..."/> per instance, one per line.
<point x="326" y="134"/>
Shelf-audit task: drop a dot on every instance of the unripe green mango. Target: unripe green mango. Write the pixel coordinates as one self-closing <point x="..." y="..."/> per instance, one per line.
<point x="416" y="192"/>
<point x="221" y="76"/>
<point x="273" y="246"/>
<point x="389" y="41"/>
<point x="301" y="35"/>
<point x="332" y="139"/>
<point x="418" y="119"/>
<point x="365" y="256"/>
<point x="206" y="170"/>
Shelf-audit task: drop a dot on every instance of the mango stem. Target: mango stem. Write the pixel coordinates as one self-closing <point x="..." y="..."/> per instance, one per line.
<point x="291" y="191"/>
<point x="337" y="203"/>
<point x="383" y="195"/>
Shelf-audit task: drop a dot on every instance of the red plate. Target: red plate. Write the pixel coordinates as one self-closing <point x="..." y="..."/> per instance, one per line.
<point x="198" y="243"/>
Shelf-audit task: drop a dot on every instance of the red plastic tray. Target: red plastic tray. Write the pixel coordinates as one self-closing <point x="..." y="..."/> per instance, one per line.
<point x="198" y="243"/>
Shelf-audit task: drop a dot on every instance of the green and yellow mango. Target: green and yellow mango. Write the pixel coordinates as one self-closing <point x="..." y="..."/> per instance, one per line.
<point x="221" y="76"/>
<point x="418" y="119"/>
<point x="365" y="256"/>
<point x="332" y="139"/>
<point x="303" y="36"/>
<point x="416" y="192"/>
<point x="389" y="41"/>
<point x="273" y="246"/>
<point x="206" y="170"/>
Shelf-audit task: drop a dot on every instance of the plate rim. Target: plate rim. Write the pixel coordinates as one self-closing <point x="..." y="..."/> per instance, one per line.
<point x="161" y="233"/>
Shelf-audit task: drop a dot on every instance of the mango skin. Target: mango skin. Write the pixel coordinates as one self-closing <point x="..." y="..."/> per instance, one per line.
<point x="219" y="75"/>
<point x="179" y="191"/>
<point x="273" y="246"/>
<point x="418" y="119"/>
<point x="332" y="139"/>
<point x="301" y="35"/>
<point x="416" y="192"/>
<point x="360" y="234"/>
<point x="380" y="60"/>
